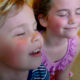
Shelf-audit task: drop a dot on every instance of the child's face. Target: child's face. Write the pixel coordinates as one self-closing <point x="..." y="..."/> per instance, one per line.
<point x="20" y="43"/>
<point x="64" y="18"/>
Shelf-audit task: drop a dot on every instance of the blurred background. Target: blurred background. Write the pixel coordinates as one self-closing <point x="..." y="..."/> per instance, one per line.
<point x="76" y="65"/>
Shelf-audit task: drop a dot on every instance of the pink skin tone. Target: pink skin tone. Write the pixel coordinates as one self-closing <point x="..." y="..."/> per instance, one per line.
<point x="18" y="38"/>
<point x="61" y="23"/>
<point x="63" y="20"/>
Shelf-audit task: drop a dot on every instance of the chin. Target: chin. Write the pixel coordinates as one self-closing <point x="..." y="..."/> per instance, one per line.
<point x="70" y="37"/>
<point x="34" y="65"/>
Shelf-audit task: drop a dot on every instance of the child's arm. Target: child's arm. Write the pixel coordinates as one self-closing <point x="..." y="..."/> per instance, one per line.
<point x="63" y="75"/>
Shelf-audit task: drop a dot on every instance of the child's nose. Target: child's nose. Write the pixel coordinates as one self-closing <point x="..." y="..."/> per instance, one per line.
<point x="36" y="37"/>
<point x="72" y="20"/>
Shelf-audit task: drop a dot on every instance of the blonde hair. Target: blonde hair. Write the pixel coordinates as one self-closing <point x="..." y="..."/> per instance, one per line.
<point x="5" y="5"/>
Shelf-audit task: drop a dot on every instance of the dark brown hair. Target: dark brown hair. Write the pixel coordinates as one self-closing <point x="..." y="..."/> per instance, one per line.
<point x="41" y="7"/>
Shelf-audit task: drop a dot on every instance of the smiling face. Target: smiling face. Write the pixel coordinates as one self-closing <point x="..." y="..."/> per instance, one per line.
<point x="64" y="18"/>
<point x="20" y="43"/>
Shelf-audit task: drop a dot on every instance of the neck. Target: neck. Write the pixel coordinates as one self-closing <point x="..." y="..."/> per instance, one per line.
<point x="10" y="74"/>
<point x="52" y="40"/>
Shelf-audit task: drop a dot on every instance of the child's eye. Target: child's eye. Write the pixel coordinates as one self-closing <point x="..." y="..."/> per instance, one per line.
<point x="62" y="13"/>
<point x="78" y="11"/>
<point x="20" y="34"/>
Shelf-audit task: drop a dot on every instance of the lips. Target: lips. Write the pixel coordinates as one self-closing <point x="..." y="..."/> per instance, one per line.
<point x="70" y="28"/>
<point x="36" y="52"/>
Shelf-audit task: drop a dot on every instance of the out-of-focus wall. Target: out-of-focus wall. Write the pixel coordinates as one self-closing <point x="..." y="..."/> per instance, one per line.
<point x="79" y="33"/>
<point x="30" y="2"/>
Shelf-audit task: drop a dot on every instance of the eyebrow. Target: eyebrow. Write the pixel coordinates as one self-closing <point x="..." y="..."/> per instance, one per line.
<point x="21" y="25"/>
<point x="17" y="27"/>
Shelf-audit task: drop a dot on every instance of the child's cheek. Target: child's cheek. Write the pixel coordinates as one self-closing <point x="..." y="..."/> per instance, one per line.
<point x="21" y="45"/>
<point x="61" y="22"/>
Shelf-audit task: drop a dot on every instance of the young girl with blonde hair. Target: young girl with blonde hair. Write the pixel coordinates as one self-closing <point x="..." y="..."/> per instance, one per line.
<point x="18" y="35"/>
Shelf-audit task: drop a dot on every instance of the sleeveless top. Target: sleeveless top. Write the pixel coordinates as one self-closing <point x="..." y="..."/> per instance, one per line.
<point x="40" y="73"/>
<point x="65" y="61"/>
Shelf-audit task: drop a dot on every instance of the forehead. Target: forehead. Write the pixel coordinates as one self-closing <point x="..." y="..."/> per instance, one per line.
<point x="25" y="16"/>
<point x="66" y="3"/>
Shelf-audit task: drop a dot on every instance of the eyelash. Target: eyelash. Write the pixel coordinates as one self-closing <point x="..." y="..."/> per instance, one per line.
<point x="20" y="34"/>
<point x="62" y="15"/>
<point x="77" y="13"/>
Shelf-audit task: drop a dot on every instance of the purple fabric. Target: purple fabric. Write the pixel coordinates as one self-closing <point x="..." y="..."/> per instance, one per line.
<point x="65" y="61"/>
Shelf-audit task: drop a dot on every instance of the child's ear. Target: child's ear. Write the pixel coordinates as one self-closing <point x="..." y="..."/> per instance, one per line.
<point x="42" y="20"/>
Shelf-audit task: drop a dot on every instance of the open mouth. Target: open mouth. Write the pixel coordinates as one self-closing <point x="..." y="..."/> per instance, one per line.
<point x="36" y="52"/>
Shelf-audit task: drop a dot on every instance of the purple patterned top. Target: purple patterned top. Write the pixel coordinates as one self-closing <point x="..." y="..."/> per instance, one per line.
<point x="65" y="61"/>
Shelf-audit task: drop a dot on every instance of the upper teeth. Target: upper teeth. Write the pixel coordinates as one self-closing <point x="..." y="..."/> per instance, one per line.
<point x="37" y="50"/>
